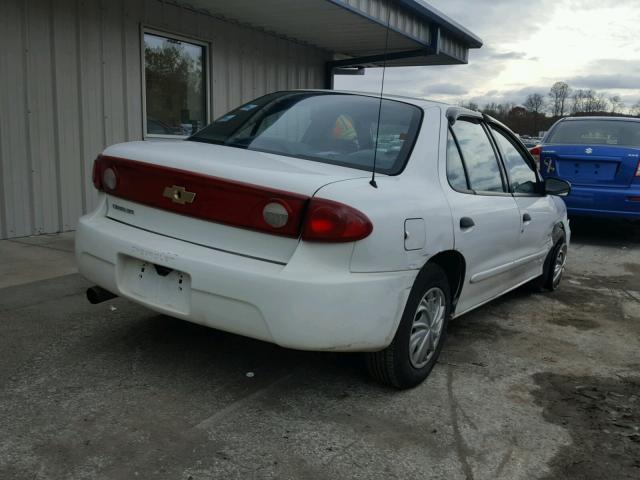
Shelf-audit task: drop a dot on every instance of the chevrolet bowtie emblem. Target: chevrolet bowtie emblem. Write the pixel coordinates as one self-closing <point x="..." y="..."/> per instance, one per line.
<point x="178" y="195"/>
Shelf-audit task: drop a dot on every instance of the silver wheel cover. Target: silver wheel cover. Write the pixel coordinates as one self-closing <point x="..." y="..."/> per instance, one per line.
<point x="426" y="329"/>
<point x="559" y="264"/>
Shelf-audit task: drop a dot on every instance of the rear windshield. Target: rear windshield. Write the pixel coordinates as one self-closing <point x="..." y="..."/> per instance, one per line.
<point x="331" y="128"/>
<point x="596" y="132"/>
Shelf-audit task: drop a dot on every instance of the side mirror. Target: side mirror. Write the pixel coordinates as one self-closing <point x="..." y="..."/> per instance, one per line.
<point x="556" y="186"/>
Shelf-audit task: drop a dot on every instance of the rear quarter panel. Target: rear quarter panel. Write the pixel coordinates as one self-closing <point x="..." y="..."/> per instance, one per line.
<point x="414" y="194"/>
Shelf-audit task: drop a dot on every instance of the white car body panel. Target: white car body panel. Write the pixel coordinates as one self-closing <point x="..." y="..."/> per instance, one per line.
<point x="209" y="234"/>
<point x="306" y="295"/>
<point x="332" y="309"/>
<point x="535" y="235"/>
<point x="488" y="247"/>
<point x="417" y="195"/>
<point x="257" y="168"/>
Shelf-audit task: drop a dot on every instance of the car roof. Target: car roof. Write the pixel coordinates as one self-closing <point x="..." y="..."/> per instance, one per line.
<point x="602" y="117"/>
<point x="422" y="102"/>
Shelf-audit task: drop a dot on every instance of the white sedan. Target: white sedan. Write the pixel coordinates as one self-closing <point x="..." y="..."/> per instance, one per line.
<point x="329" y="221"/>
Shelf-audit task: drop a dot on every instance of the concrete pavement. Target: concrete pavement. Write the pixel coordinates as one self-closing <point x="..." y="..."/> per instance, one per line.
<point x="25" y="260"/>
<point x="528" y="386"/>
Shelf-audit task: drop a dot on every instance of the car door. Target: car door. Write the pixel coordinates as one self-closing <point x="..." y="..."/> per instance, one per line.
<point x="537" y="210"/>
<point x="486" y="219"/>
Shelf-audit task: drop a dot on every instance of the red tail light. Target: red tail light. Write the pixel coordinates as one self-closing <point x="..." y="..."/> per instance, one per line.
<point x="201" y="196"/>
<point x="536" y="151"/>
<point x="229" y="202"/>
<point x="104" y="175"/>
<point x="329" y="221"/>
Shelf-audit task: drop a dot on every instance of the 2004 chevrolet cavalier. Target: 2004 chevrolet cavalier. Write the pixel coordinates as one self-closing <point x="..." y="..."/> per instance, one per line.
<point x="266" y="224"/>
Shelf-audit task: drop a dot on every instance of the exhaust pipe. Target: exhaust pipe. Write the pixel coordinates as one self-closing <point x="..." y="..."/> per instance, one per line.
<point x="98" y="295"/>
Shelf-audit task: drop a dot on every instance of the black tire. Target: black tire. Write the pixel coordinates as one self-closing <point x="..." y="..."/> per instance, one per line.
<point x="548" y="280"/>
<point x="394" y="366"/>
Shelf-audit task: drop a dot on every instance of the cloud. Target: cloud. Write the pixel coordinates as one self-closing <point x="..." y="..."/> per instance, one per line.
<point x="448" y="83"/>
<point x="608" y="73"/>
<point x="516" y="95"/>
<point x="606" y="81"/>
<point x="528" y="46"/>
<point x="598" y="4"/>
<point x="445" y="89"/>
<point x="612" y="64"/>
<point x="509" y="56"/>
<point x="630" y="99"/>
<point x="499" y="21"/>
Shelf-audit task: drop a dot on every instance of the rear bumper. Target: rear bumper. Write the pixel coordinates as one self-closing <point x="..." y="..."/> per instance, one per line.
<point x="303" y="305"/>
<point x="604" y="202"/>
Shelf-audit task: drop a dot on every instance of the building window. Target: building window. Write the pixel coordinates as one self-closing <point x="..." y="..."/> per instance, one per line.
<point x="175" y="78"/>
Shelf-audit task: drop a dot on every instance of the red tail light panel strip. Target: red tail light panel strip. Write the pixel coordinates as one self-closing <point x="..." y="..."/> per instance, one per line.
<point x="200" y="196"/>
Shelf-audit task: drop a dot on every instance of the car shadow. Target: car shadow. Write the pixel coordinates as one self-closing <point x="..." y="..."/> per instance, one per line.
<point x="168" y="347"/>
<point x="605" y="231"/>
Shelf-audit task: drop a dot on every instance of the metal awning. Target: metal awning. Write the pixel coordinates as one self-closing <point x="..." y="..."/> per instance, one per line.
<point x="354" y="31"/>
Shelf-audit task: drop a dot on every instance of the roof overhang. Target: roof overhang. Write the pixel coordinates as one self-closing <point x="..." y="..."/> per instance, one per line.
<point x="354" y="33"/>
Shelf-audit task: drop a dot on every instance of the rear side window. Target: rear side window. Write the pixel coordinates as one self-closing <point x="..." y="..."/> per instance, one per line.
<point x="455" y="169"/>
<point x="596" y="132"/>
<point x="479" y="157"/>
<point x="522" y="178"/>
<point x="335" y="128"/>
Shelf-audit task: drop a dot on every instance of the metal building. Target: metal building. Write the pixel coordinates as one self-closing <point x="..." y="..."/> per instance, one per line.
<point x="78" y="75"/>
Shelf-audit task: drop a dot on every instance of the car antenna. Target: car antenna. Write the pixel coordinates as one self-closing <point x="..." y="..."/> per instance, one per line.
<point x="372" y="182"/>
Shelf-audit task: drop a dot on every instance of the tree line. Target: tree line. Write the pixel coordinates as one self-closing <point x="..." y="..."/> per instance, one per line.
<point x="539" y="112"/>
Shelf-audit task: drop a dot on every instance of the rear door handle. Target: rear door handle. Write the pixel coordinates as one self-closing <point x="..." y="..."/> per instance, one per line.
<point x="466" y="222"/>
<point x="526" y="217"/>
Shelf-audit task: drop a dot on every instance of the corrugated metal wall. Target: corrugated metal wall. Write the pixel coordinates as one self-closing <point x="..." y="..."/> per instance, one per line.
<point x="453" y="47"/>
<point x="70" y="84"/>
<point x="399" y="18"/>
<point x="410" y="25"/>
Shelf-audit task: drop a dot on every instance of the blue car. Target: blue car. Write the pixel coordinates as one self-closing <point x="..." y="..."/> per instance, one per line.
<point x="600" y="157"/>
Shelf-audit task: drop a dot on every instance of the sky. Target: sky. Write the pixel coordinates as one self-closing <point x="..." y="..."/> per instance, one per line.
<point x="528" y="45"/>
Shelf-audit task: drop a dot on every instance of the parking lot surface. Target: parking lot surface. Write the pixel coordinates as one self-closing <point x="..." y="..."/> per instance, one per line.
<point x="528" y="386"/>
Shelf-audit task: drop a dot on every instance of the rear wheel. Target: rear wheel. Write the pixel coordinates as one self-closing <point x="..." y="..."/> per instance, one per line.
<point x="554" y="266"/>
<point x="420" y="336"/>
<point x="559" y="262"/>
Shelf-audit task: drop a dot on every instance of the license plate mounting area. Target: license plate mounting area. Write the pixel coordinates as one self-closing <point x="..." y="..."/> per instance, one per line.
<point x="153" y="284"/>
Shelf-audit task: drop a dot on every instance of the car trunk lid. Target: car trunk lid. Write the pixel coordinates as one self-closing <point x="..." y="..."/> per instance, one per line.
<point x="592" y="165"/>
<point x="214" y="195"/>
